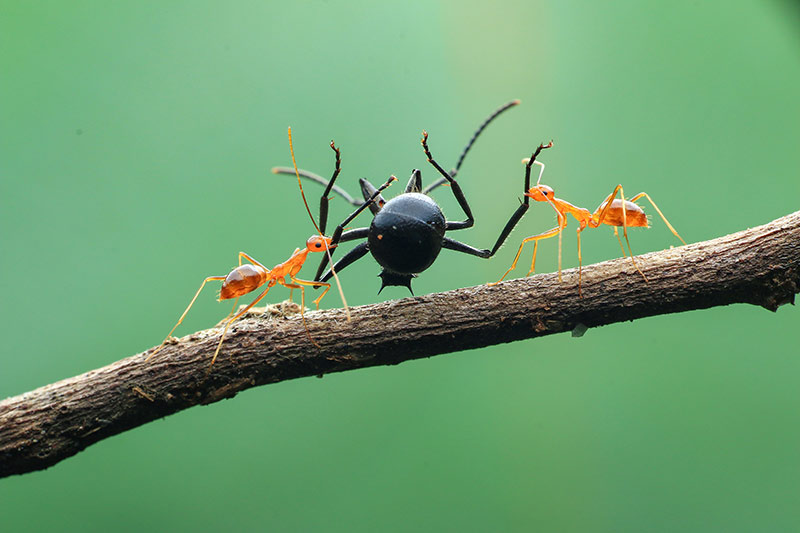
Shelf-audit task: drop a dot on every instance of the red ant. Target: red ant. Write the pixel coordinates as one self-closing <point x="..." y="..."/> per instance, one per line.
<point x="247" y="278"/>
<point x="612" y="211"/>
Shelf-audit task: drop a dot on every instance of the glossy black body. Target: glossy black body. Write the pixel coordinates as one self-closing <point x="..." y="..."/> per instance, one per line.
<point x="406" y="235"/>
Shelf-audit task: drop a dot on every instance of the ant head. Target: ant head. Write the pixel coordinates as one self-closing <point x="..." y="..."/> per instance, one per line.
<point x="316" y="243"/>
<point x="541" y="193"/>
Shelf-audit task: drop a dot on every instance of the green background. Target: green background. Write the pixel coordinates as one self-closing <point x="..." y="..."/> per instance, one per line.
<point x="136" y="144"/>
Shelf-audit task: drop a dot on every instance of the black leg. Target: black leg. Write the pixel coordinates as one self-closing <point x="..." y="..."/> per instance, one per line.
<point x="475" y="135"/>
<point x="349" y="235"/>
<point x="450" y="244"/>
<point x="338" y="233"/>
<point x="323" y="200"/>
<point x="462" y="201"/>
<point x="350" y="257"/>
<point x="415" y="183"/>
<point x="520" y="211"/>
<point x="367" y="190"/>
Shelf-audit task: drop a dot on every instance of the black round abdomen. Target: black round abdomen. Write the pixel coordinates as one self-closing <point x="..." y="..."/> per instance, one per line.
<point x="406" y="235"/>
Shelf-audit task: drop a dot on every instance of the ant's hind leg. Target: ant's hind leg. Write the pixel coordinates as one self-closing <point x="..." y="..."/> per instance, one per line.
<point x="252" y="261"/>
<point x="621" y="246"/>
<point x="644" y="194"/>
<point x="210" y="278"/>
<point x="231" y="320"/>
<point x="600" y="214"/>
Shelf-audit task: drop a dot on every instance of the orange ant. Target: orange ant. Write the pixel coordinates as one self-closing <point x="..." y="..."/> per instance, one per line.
<point x="247" y="278"/>
<point x="612" y="211"/>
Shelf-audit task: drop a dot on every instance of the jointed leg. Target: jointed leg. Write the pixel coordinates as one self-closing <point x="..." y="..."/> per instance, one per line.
<point x="302" y="284"/>
<point x="349" y="235"/>
<point x="415" y="183"/>
<point x="367" y="190"/>
<point x="457" y="246"/>
<point x="339" y="235"/>
<point x="457" y="192"/>
<point x="520" y="211"/>
<point x="210" y="278"/>
<point x="602" y="215"/>
<point x="536" y="238"/>
<point x="254" y="262"/>
<point x="621" y="246"/>
<point x="350" y="257"/>
<point x="641" y="194"/>
<point x="580" y="260"/>
<point x="323" y="200"/>
<point x="313" y="284"/>
<point x="230" y="321"/>
<point x="302" y="309"/>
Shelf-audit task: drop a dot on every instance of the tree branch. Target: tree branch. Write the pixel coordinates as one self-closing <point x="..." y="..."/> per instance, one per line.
<point x="760" y="266"/>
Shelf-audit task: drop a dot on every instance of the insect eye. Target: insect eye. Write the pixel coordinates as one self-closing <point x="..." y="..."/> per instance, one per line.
<point x="318" y="245"/>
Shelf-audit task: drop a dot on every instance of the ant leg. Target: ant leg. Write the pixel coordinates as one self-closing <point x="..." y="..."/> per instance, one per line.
<point x="456" y="188"/>
<point x="210" y="278"/>
<point x="621" y="246"/>
<point x="580" y="259"/>
<point x="475" y="135"/>
<point x="659" y="212"/>
<point x="230" y="321"/>
<point x="597" y="219"/>
<point x="314" y="284"/>
<point x="625" y="231"/>
<point x="252" y="261"/>
<point x="536" y="238"/>
<point x="302" y="308"/>
<point x="289" y="171"/>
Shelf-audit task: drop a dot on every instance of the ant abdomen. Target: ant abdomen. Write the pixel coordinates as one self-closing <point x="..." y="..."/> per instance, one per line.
<point x="634" y="215"/>
<point x="242" y="280"/>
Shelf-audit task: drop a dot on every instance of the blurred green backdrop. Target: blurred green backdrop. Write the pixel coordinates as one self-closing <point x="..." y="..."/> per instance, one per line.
<point x="136" y="142"/>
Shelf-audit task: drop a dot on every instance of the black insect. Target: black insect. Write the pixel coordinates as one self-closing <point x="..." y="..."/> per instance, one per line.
<point x="407" y="232"/>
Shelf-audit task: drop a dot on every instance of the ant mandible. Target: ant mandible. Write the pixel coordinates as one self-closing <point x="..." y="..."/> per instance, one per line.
<point x="408" y="232"/>
<point x="244" y="279"/>
<point x="612" y="211"/>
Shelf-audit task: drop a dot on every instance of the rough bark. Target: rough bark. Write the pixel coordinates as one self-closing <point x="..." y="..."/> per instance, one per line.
<point x="759" y="266"/>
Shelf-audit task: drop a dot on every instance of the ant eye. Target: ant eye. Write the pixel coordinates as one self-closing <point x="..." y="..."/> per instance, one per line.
<point x="318" y="245"/>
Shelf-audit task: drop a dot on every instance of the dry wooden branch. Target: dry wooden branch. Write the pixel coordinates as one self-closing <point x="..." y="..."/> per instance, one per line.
<point x="759" y="266"/>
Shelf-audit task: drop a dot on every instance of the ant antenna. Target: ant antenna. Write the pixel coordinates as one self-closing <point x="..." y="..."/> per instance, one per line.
<point x="541" y="171"/>
<point x="327" y="250"/>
